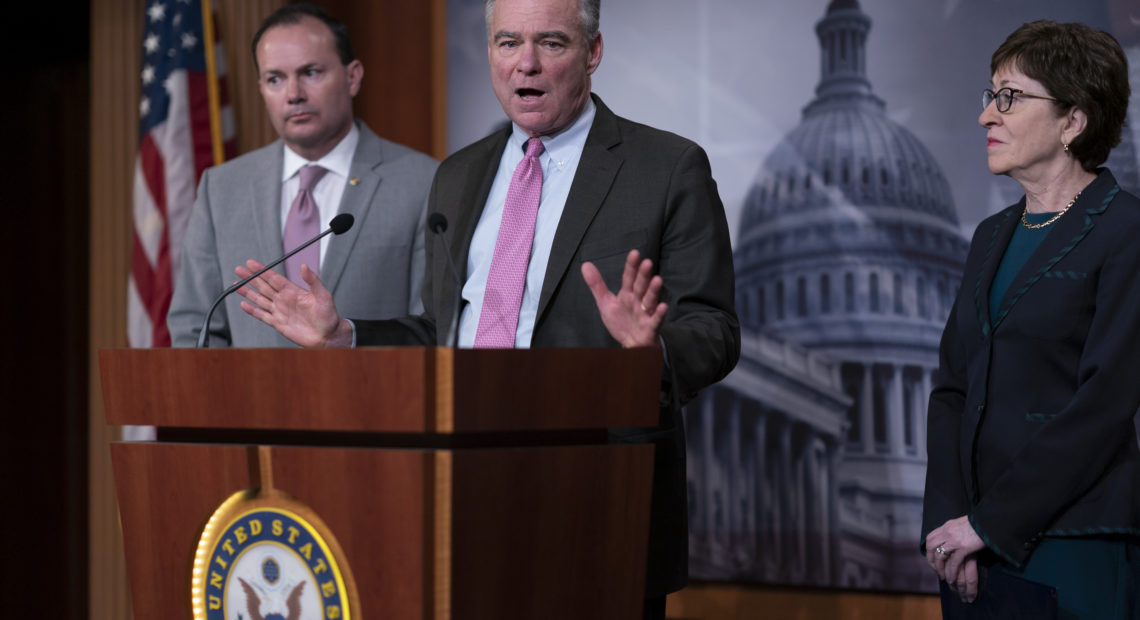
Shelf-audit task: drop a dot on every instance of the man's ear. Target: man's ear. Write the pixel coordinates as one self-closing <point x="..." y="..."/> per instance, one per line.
<point x="355" y="70"/>
<point x="594" y="54"/>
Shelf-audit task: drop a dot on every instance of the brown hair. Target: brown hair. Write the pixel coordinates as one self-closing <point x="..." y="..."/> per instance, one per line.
<point x="291" y="14"/>
<point x="1081" y="67"/>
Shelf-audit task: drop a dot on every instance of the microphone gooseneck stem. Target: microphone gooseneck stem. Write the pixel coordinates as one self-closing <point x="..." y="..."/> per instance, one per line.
<point x="437" y="222"/>
<point x="204" y="334"/>
<point x="454" y="328"/>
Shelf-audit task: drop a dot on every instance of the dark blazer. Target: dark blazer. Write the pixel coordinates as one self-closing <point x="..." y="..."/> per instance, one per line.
<point x="1031" y="428"/>
<point x="635" y="187"/>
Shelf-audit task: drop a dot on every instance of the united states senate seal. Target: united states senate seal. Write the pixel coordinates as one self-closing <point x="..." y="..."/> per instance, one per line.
<point x="266" y="556"/>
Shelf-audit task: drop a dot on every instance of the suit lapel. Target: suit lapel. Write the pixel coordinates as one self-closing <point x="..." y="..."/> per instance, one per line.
<point x="597" y="169"/>
<point x="471" y="199"/>
<point x="1067" y="233"/>
<point x="264" y="194"/>
<point x="999" y="240"/>
<point x="356" y="201"/>
<point x="463" y="202"/>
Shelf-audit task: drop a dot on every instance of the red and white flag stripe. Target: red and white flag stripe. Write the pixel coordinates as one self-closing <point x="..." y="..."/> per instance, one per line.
<point x="171" y="158"/>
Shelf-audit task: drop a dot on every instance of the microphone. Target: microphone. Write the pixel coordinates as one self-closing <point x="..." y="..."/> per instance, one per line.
<point x="437" y="223"/>
<point x="339" y="225"/>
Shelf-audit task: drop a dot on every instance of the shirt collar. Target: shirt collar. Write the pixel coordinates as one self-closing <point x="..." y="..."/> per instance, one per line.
<point x="564" y="144"/>
<point x="338" y="160"/>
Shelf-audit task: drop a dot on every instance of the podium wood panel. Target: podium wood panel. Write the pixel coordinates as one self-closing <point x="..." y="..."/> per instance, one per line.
<point x="382" y="390"/>
<point x="546" y="533"/>
<point x="165" y="497"/>
<point x="377" y="504"/>
<point x="482" y="533"/>
<point x="459" y="484"/>
<point x="380" y="529"/>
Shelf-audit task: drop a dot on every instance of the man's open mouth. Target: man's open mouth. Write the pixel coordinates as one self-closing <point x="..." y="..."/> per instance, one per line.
<point x="528" y="93"/>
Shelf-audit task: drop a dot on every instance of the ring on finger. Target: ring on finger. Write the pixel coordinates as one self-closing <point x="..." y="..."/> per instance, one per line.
<point x="940" y="550"/>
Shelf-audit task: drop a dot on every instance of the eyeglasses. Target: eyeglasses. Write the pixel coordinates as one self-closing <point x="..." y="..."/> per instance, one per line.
<point x="1005" y="97"/>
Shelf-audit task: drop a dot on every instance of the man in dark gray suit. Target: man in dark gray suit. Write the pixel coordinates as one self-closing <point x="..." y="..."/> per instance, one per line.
<point x="308" y="76"/>
<point x="608" y="185"/>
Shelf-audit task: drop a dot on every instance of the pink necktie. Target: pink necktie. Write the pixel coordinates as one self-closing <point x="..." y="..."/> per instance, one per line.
<point x="499" y="317"/>
<point x="303" y="223"/>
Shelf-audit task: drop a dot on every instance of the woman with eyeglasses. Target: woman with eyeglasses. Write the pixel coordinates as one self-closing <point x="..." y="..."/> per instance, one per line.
<point x="1034" y="467"/>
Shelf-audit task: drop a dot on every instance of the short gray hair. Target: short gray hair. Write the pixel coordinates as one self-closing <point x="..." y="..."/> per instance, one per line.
<point x="589" y="13"/>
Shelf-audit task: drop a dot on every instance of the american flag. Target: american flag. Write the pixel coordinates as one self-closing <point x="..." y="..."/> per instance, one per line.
<point x="176" y="143"/>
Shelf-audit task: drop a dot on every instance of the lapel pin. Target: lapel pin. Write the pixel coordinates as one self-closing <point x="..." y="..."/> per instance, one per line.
<point x="354" y="181"/>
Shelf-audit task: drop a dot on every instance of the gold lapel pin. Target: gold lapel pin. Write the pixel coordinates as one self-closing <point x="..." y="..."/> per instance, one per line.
<point x="354" y="181"/>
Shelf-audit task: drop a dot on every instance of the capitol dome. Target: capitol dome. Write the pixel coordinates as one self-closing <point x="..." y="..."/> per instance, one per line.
<point x="853" y="147"/>
<point x="848" y="257"/>
<point x="850" y="191"/>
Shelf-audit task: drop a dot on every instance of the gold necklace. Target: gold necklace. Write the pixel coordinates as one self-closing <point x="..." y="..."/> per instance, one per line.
<point x="1025" y="222"/>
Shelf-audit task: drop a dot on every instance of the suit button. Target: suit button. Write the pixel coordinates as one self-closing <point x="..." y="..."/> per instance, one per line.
<point x="981" y="408"/>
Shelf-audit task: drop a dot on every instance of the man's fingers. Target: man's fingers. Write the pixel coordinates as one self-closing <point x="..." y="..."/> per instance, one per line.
<point x="251" y="267"/>
<point x="254" y="296"/>
<point x="242" y="273"/>
<point x="313" y="280"/>
<point x="261" y="287"/>
<point x="257" y="313"/>
<point x="595" y="282"/>
<point x="629" y="274"/>
<point x="272" y="278"/>
<point x="253" y="264"/>
<point x="263" y="283"/>
<point x="641" y="279"/>
<point x="261" y="314"/>
<point x="651" y="294"/>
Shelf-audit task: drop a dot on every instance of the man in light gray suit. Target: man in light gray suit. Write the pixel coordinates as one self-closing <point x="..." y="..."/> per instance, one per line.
<point x="307" y="75"/>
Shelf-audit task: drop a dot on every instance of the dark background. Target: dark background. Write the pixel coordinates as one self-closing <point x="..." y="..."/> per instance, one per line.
<point x="45" y="300"/>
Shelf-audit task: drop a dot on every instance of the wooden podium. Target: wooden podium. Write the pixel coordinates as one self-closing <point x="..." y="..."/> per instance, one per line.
<point x="457" y="483"/>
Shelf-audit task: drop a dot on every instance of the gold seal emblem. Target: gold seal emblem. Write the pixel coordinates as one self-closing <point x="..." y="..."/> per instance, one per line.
<point x="263" y="555"/>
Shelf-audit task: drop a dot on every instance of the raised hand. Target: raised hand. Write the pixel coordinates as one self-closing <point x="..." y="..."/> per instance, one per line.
<point x="308" y="318"/>
<point x="634" y="315"/>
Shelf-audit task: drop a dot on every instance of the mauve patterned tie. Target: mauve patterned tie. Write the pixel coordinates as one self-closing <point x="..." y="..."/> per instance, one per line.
<point x="303" y="223"/>
<point x="499" y="317"/>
